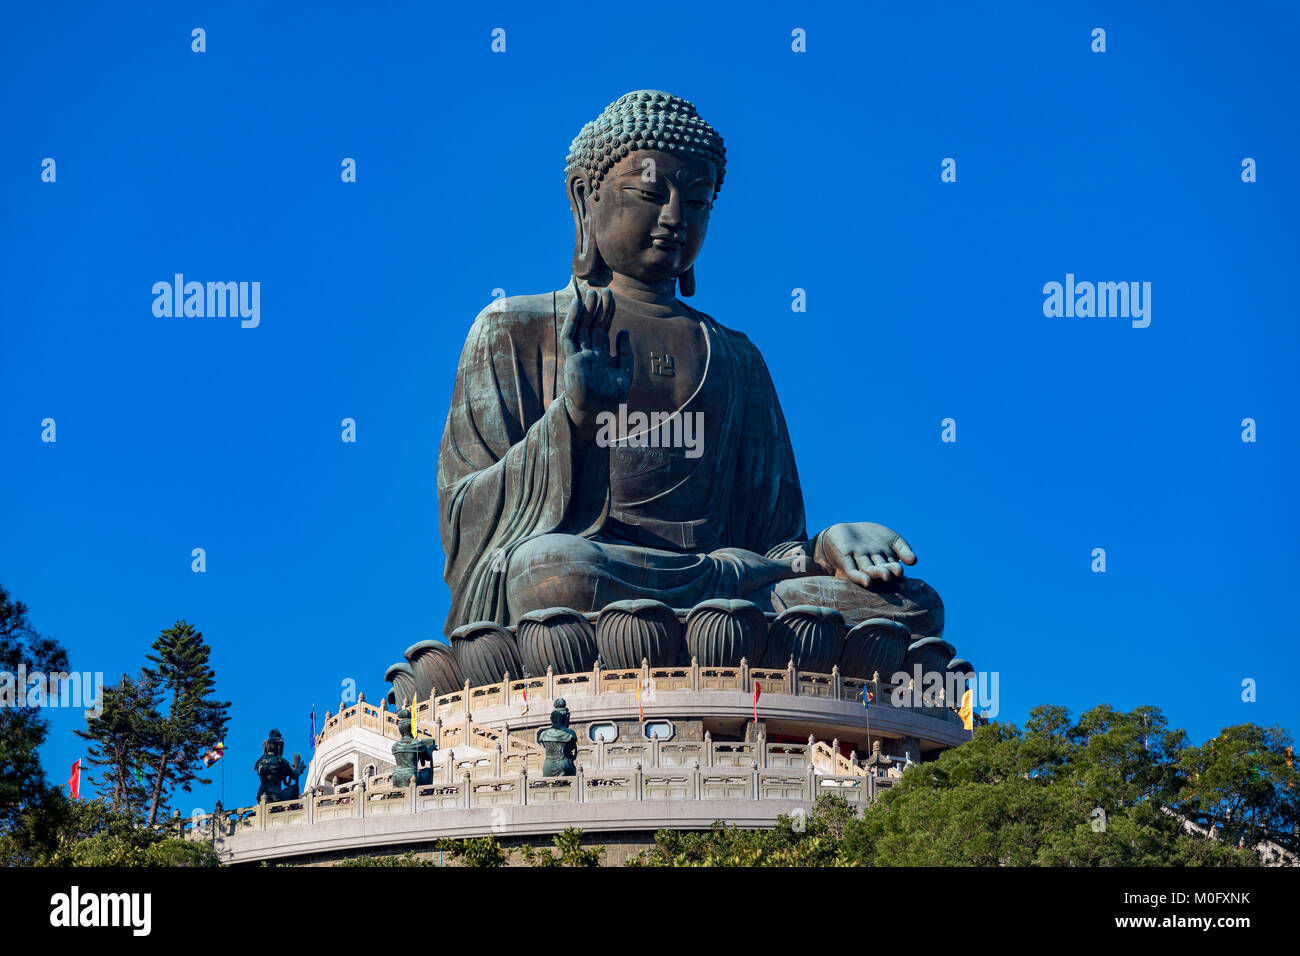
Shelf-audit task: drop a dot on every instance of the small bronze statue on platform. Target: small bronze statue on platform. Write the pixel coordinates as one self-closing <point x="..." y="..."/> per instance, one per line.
<point x="560" y="742"/>
<point x="279" y="777"/>
<point x="410" y="753"/>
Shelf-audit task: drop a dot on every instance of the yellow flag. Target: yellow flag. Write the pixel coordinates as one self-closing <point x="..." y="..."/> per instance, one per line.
<point x="966" y="714"/>
<point x="414" y="706"/>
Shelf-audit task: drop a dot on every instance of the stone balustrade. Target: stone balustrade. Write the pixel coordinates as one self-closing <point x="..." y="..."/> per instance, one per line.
<point x="608" y="774"/>
<point x="376" y="799"/>
<point x="459" y="705"/>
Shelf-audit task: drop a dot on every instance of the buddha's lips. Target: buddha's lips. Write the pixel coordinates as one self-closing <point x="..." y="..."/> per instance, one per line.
<point x="665" y="243"/>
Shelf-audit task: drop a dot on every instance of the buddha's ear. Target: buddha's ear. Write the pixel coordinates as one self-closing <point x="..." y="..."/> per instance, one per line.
<point x="686" y="283"/>
<point x="587" y="263"/>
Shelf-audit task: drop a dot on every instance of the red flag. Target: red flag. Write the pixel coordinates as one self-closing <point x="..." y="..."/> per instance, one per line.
<point x="74" y="782"/>
<point x="757" y="691"/>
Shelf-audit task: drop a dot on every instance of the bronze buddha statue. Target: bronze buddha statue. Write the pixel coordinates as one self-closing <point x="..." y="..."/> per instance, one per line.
<point x="608" y="442"/>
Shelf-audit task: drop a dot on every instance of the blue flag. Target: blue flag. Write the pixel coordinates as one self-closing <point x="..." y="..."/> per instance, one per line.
<point x="866" y="697"/>
<point x="312" y="743"/>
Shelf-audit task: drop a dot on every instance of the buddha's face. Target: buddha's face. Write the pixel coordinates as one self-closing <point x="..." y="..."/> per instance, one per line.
<point x="652" y="213"/>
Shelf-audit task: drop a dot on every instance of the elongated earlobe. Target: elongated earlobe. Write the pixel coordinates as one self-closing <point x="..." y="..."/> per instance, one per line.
<point x="686" y="282"/>
<point x="586" y="258"/>
<point x="587" y="263"/>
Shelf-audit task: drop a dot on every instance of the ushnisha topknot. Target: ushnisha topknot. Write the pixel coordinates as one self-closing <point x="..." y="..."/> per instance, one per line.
<point x="644" y="119"/>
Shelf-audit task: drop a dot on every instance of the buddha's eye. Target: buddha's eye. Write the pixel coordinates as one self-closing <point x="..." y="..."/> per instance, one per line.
<point x="699" y="204"/>
<point x="647" y="194"/>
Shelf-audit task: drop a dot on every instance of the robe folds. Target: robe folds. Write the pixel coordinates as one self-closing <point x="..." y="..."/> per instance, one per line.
<point x="658" y="522"/>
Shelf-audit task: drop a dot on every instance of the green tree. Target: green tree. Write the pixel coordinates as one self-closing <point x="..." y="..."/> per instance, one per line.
<point x="194" y="720"/>
<point x="22" y="729"/>
<point x="95" y="833"/>
<point x="812" y="839"/>
<point x="481" y="851"/>
<point x="405" y="860"/>
<point x="569" y="851"/>
<point x="1243" y="783"/>
<point x="121" y="739"/>
<point x="1101" y="791"/>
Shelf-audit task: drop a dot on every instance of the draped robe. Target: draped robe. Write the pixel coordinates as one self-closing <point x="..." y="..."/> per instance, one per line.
<point x="599" y="523"/>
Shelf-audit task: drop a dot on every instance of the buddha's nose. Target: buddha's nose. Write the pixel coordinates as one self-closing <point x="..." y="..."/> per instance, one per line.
<point x="670" y="217"/>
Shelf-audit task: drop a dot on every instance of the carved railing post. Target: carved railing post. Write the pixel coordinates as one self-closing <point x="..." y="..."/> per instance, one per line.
<point x="360" y="791"/>
<point x="523" y="786"/>
<point x="600" y="752"/>
<point x="550" y="682"/>
<point x="414" y="799"/>
<point x="581" y="784"/>
<point x="762" y="748"/>
<point x="754" y="788"/>
<point x="261" y="812"/>
<point x="595" y="677"/>
<point x="791" y="679"/>
<point x="496" y="761"/>
<point x="654" y="752"/>
<point x="466" y="791"/>
<point x="451" y="767"/>
<point x="505" y="688"/>
<point x="697" y="783"/>
<point x="695" y="673"/>
<point x="744" y="676"/>
<point x="637" y="782"/>
<point x="708" y="749"/>
<point x="837" y="683"/>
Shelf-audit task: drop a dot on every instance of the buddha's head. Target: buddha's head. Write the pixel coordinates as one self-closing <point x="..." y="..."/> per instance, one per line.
<point x="641" y="180"/>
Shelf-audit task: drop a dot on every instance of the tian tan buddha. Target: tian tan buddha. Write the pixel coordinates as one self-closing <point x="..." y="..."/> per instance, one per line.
<point x="607" y="442"/>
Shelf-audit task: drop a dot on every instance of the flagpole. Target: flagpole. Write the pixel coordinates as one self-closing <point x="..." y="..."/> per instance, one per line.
<point x="866" y="705"/>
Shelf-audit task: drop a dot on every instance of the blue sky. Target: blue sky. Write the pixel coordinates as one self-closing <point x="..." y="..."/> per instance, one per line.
<point x="924" y="303"/>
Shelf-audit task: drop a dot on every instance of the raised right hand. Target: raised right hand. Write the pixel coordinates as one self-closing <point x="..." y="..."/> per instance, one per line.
<point x="596" y="377"/>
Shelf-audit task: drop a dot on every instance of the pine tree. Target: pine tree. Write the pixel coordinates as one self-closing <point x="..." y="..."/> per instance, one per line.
<point x="122" y="741"/>
<point x="22" y="729"/>
<point x="195" y="720"/>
